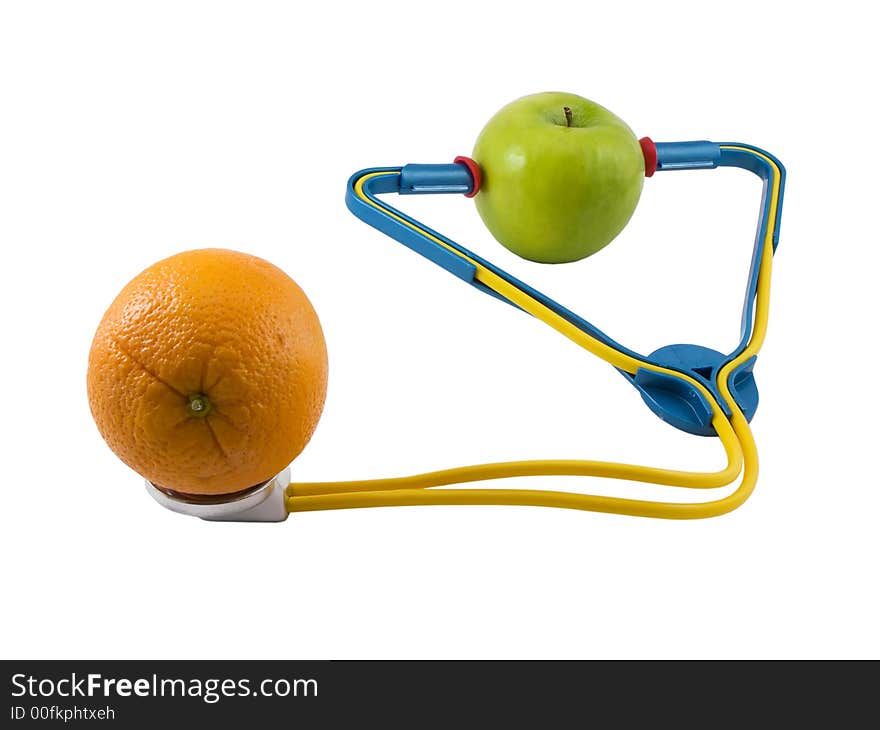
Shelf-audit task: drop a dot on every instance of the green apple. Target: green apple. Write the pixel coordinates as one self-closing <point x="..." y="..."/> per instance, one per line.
<point x="561" y="176"/>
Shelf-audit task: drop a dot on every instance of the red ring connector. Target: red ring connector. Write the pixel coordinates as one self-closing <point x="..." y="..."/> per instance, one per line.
<point x="649" y="150"/>
<point x="474" y="170"/>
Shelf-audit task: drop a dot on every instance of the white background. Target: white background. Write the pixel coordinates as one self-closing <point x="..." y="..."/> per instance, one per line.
<point x="131" y="131"/>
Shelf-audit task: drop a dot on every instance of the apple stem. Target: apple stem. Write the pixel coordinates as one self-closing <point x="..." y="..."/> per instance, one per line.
<point x="567" y="111"/>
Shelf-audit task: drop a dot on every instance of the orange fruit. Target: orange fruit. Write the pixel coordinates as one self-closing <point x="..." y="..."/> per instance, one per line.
<point x="207" y="374"/>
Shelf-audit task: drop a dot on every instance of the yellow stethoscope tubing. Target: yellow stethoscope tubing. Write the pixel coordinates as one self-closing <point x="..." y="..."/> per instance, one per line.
<point x="734" y="432"/>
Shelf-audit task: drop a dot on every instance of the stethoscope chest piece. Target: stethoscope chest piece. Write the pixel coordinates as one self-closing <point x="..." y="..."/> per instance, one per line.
<point x="263" y="503"/>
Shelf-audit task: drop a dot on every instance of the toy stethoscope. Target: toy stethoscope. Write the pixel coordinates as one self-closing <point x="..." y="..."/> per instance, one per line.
<point x="693" y="388"/>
